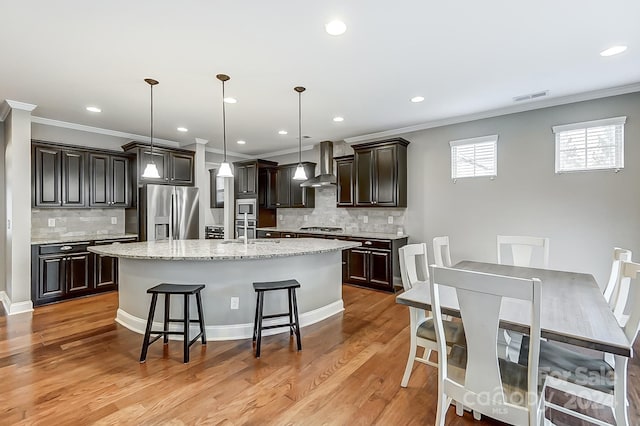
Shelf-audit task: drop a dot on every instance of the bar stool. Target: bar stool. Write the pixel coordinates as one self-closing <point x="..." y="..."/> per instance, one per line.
<point x="168" y="290"/>
<point x="293" y="324"/>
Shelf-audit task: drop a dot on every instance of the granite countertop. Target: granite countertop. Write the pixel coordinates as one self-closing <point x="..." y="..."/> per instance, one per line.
<point x="356" y="234"/>
<point x="222" y="249"/>
<point x="78" y="238"/>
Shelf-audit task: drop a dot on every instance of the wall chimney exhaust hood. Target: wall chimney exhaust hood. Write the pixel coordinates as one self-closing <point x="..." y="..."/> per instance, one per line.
<point x="326" y="176"/>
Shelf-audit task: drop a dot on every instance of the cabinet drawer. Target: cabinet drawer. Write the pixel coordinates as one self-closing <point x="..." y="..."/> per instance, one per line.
<point x="64" y="248"/>
<point x="373" y="243"/>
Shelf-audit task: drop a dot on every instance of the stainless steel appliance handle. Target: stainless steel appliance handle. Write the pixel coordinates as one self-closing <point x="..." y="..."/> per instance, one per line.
<point x="172" y="217"/>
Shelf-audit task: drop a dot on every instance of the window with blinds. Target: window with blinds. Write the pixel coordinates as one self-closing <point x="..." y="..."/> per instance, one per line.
<point x="474" y="157"/>
<point x="592" y="145"/>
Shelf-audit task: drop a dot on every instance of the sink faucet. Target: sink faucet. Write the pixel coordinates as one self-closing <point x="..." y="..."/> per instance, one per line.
<point x="246" y="235"/>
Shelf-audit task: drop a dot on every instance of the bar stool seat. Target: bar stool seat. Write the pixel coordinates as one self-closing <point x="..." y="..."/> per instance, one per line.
<point x="168" y="289"/>
<point x="293" y="324"/>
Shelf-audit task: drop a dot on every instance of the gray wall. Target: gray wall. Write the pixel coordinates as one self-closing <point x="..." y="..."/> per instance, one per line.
<point x="585" y="214"/>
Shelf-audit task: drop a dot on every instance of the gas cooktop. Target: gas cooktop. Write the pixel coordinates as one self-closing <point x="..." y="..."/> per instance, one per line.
<point x="321" y="228"/>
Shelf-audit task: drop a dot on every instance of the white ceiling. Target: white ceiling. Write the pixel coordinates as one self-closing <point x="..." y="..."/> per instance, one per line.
<point x="464" y="57"/>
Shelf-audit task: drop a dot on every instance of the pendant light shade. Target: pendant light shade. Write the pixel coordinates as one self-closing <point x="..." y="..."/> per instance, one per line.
<point x="151" y="171"/>
<point x="300" y="173"/>
<point x="225" y="167"/>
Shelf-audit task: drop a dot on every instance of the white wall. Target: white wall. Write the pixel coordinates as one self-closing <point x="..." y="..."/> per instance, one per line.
<point x="3" y="213"/>
<point x="585" y="214"/>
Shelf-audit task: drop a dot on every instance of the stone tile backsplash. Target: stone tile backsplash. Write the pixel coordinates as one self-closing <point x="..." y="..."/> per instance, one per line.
<point x="76" y="222"/>
<point x="350" y="219"/>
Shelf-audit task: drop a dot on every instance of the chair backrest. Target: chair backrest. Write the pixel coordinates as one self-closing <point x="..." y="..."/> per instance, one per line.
<point x="441" y="251"/>
<point x="619" y="254"/>
<point x="630" y="270"/>
<point x="522" y="249"/>
<point x="479" y="297"/>
<point x="413" y="264"/>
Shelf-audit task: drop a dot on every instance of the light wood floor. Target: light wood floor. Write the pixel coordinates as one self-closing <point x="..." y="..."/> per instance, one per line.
<point x="71" y="364"/>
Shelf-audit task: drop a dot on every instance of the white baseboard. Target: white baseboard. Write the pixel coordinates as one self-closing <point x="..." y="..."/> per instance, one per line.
<point x="232" y="331"/>
<point x="15" y="308"/>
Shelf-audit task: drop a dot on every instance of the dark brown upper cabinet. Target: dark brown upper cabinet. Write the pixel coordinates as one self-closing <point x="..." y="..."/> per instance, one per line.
<point x="110" y="184"/>
<point x="59" y="177"/>
<point x="175" y="166"/>
<point x="380" y="170"/>
<point x="345" y="181"/>
<point x="288" y="192"/>
<point x="250" y="178"/>
<point x="216" y="190"/>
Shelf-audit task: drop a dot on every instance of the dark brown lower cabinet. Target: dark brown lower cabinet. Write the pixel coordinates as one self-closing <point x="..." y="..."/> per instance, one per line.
<point x="65" y="271"/>
<point x="374" y="264"/>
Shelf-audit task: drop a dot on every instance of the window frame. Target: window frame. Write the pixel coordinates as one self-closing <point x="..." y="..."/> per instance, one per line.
<point x="474" y="141"/>
<point x="585" y="126"/>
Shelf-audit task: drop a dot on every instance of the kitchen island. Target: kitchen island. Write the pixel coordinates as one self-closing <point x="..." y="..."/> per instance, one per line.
<point x="228" y="269"/>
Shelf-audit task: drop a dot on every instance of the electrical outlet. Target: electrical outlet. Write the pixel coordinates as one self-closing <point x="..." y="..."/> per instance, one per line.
<point x="280" y="217"/>
<point x="235" y="303"/>
<point x="114" y="220"/>
<point x="390" y="220"/>
<point x="365" y="219"/>
<point x="51" y="222"/>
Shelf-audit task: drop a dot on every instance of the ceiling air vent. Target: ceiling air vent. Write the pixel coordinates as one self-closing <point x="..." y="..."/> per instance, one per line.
<point x="531" y="96"/>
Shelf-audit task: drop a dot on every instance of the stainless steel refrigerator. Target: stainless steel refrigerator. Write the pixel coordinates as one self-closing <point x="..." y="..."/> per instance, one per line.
<point x="168" y="212"/>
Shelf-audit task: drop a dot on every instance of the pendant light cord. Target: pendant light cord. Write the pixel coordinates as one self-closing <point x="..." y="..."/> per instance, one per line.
<point x="152" y="123"/>
<point x="299" y="127"/>
<point x="224" y="125"/>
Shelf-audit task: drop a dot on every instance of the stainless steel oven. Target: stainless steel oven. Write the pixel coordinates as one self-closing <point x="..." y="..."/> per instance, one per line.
<point x="248" y="206"/>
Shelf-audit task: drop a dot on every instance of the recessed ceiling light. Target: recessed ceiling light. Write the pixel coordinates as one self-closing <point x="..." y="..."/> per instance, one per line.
<point x="417" y="99"/>
<point x="613" y="50"/>
<point x="182" y="129"/>
<point x="335" y="28"/>
<point x="93" y="109"/>
<point x="230" y="100"/>
<point x="282" y="132"/>
<point x="241" y="142"/>
<point x="338" y="119"/>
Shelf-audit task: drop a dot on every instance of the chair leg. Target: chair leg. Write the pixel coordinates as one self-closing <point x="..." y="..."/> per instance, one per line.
<point x="259" y="320"/>
<point x="443" y="406"/>
<point x="255" y="317"/>
<point x="201" y="318"/>
<point x="186" y="329"/>
<point x="412" y="356"/>
<point x="147" y="333"/>
<point x="289" y="291"/>
<point x="165" y="327"/>
<point x="620" y="390"/>
<point x="295" y="314"/>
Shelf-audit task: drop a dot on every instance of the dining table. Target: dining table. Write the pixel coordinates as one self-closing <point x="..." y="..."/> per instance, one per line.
<point x="573" y="309"/>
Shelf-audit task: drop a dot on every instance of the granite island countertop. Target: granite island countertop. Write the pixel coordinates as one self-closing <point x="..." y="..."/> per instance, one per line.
<point x="222" y="249"/>
<point x="79" y="238"/>
<point x="355" y="234"/>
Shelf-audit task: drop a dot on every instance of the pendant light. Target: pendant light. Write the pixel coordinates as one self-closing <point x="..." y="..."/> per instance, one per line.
<point x="225" y="167"/>
<point x="151" y="171"/>
<point x="300" y="173"/>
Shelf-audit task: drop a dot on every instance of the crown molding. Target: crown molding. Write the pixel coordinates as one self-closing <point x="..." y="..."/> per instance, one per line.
<point x="200" y="141"/>
<point x="8" y="105"/>
<point x="529" y="106"/>
<point x="98" y="130"/>
<point x="230" y="153"/>
<point x="286" y="151"/>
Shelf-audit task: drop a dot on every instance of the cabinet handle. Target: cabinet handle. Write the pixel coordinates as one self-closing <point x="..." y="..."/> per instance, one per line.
<point x="368" y="243"/>
<point x="166" y="178"/>
<point x="267" y="234"/>
<point x="65" y="248"/>
<point x="277" y="204"/>
<point x="173" y="179"/>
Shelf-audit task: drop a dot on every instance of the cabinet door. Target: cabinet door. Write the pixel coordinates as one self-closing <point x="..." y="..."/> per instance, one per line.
<point x="120" y="182"/>
<point x="47" y="177"/>
<point x="78" y="277"/>
<point x="99" y="192"/>
<point x="216" y="190"/>
<point x="241" y="180"/>
<point x="302" y="197"/>
<point x="380" y="268"/>
<point x="345" y="183"/>
<point x="106" y="272"/>
<point x="364" y="177"/>
<point x="160" y="160"/>
<point x="345" y="266"/>
<point x="181" y="166"/>
<point x="251" y="171"/>
<point x="385" y="174"/>
<point x="73" y="179"/>
<point x="51" y="278"/>
<point x="358" y="266"/>
<point x="283" y="187"/>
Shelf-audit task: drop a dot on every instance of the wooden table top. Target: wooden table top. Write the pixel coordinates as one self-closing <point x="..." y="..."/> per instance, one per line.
<point x="573" y="308"/>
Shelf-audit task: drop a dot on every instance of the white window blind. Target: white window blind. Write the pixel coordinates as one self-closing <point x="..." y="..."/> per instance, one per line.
<point x="591" y="145"/>
<point x="474" y="157"/>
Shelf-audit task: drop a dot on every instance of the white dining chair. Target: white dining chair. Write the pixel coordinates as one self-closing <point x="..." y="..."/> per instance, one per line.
<point x="441" y="253"/>
<point x="617" y="290"/>
<point x="413" y="270"/>
<point x="593" y="379"/>
<point x="522" y="250"/>
<point x="477" y="377"/>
